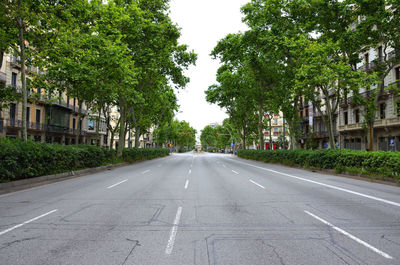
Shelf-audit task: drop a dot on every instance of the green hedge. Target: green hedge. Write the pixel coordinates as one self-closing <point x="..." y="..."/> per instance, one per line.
<point x="384" y="164"/>
<point x="20" y="160"/>
<point x="134" y="154"/>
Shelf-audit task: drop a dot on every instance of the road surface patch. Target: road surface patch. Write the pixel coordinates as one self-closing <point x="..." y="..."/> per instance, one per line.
<point x="174" y="230"/>
<point x="380" y="252"/>
<point x="116" y="184"/>
<point x="26" y="222"/>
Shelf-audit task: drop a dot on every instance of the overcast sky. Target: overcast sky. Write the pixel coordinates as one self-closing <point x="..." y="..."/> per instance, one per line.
<point x="203" y="23"/>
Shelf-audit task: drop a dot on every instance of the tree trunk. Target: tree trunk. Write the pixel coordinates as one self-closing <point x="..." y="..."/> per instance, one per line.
<point x="23" y="76"/>
<point x="260" y="125"/>
<point x="293" y="141"/>
<point x="1" y="58"/>
<point x="98" y="128"/>
<point x="112" y="140"/>
<point x="284" y="132"/>
<point x="329" y="121"/>
<point x="79" y="122"/>
<point x="137" y="138"/>
<point x="370" y="136"/>
<point x="270" y="134"/>
<point x="244" y="137"/>
<point x="121" y="141"/>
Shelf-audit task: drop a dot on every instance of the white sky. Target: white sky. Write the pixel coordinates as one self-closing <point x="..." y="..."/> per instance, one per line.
<point x="203" y="24"/>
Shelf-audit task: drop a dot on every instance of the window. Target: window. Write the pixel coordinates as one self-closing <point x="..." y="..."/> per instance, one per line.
<point x="366" y="58"/>
<point x="382" y="111"/>
<point x="275" y="121"/>
<point x="398" y="109"/>
<point x="38" y="116"/>
<point x="14" y="80"/>
<point x="397" y="73"/>
<point x="12" y="113"/>
<point x="39" y="90"/>
<point x="73" y="123"/>
<point x="357" y="115"/>
<point x="380" y="54"/>
<point x="74" y="102"/>
<point x="91" y="124"/>
<point x="346" y="117"/>
<point x="67" y="101"/>
<point x="28" y="114"/>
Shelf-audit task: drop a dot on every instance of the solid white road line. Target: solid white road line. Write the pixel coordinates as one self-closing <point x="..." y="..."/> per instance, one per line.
<point x="235" y="172"/>
<point x="255" y="183"/>
<point x="383" y="254"/>
<point x="223" y="165"/>
<point x="27" y="222"/>
<point x="174" y="230"/>
<point x="112" y="186"/>
<point x="190" y="171"/>
<point x="186" y="184"/>
<point x="144" y="172"/>
<point x="326" y="185"/>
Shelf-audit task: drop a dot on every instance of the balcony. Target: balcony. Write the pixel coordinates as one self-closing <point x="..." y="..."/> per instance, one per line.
<point x="351" y="127"/>
<point x="395" y="121"/>
<point x="367" y="67"/>
<point x="3" y="78"/>
<point x="395" y="84"/>
<point x="321" y="134"/>
<point x="15" y="61"/>
<point x="393" y="55"/>
<point x="36" y="126"/>
<point x="13" y="123"/>
<point x="68" y="106"/>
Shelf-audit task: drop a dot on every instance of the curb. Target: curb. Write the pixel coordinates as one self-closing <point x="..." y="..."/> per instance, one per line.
<point x="23" y="184"/>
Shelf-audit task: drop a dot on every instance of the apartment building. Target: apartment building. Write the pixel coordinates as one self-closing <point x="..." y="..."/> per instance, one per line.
<point x="49" y="119"/>
<point x="352" y="129"/>
<point x="145" y="140"/>
<point x="277" y="131"/>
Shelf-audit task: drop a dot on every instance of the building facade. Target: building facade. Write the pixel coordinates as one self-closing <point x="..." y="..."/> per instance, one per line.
<point x="277" y="131"/>
<point x="52" y="120"/>
<point x="351" y="127"/>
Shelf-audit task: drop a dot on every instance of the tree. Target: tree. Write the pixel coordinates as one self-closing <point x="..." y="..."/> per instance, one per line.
<point x="27" y="27"/>
<point x="208" y="137"/>
<point x="322" y="77"/>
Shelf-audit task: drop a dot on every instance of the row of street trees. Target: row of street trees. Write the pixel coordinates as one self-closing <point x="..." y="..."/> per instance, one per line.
<point x="176" y="133"/>
<point x="122" y="53"/>
<point x="219" y="137"/>
<point x="304" y="48"/>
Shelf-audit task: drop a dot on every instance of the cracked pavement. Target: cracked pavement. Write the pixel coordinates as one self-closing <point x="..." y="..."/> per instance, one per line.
<point x="224" y="219"/>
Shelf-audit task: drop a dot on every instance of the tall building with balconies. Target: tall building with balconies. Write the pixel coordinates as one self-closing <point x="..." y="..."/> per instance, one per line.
<point x="51" y="119"/>
<point x="352" y="129"/>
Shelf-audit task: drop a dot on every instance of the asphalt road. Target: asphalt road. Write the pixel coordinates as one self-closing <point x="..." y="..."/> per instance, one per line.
<point x="202" y="209"/>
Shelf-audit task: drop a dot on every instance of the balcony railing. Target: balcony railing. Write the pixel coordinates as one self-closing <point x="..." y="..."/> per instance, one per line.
<point x="394" y="55"/>
<point x="321" y="134"/>
<point x="36" y="126"/>
<point x="69" y="106"/>
<point x="13" y="123"/>
<point x="367" y="66"/>
<point x="396" y="84"/>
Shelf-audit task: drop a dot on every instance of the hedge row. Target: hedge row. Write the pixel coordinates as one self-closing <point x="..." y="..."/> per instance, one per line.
<point x="20" y="160"/>
<point x="384" y="164"/>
